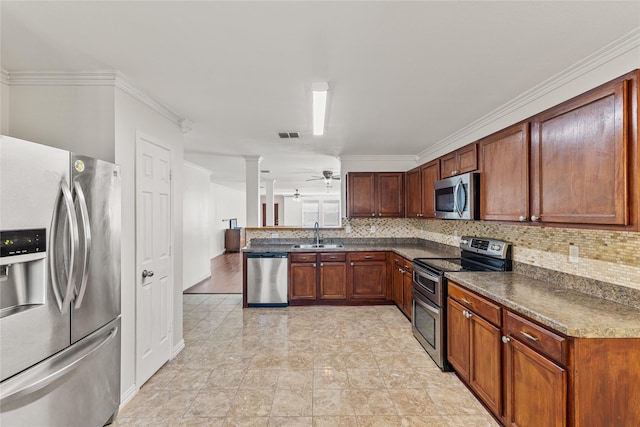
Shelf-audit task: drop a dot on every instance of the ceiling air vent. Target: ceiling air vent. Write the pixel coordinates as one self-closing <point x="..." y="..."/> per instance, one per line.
<point x="289" y="134"/>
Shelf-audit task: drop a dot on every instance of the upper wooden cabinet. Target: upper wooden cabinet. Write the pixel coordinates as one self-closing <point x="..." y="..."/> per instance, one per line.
<point x="419" y="190"/>
<point x="462" y="160"/>
<point x="580" y="160"/>
<point x="504" y="181"/>
<point x="375" y="194"/>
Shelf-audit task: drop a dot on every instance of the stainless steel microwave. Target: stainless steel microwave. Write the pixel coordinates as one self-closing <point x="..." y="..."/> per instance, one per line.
<point x="457" y="197"/>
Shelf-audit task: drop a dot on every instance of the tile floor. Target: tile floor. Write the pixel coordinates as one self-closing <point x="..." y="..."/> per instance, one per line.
<point x="300" y="366"/>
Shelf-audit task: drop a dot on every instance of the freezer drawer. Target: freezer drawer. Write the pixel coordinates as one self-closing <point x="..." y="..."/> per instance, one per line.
<point x="267" y="279"/>
<point x="80" y="386"/>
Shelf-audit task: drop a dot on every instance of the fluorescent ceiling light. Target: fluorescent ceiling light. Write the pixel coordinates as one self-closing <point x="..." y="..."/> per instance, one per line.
<point x="319" y="106"/>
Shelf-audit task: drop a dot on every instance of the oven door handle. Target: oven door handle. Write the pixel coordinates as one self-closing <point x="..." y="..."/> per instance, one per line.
<point x="417" y="271"/>
<point x="429" y="307"/>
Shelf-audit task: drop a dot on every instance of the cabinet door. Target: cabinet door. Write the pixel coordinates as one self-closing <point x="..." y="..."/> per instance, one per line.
<point x="467" y="158"/>
<point x="367" y="280"/>
<point x="448" y="165"/>
<point x="407" y="292"/>
<point x="302" y="281"/>
<point x="361" y="194"/>
<point x="504" y="182"/>
<point x="485" y="362"/>
<point x="333" y="280"/>
<point x="398" y="284"/>
<point x="458" y="338"/>
<point x="390" y="194"/>
<point x="430" y="173"/>
<point x="579" y="158"/>
<point x="414" y="193"/>
<point x="536" y="389"/>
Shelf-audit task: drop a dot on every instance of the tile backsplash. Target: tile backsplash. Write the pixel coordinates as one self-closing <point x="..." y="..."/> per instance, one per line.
<point x="608" y="256"/>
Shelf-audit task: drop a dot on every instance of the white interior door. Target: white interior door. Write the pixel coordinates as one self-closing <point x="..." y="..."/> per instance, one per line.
<point x="153" y="257"/>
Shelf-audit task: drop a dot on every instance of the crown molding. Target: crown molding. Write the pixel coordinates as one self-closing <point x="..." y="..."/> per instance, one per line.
<point x="597" y="59"/>
<point x="378" y="158"/>
<point x="4" y="76"/>
<point x="87" y="78"/>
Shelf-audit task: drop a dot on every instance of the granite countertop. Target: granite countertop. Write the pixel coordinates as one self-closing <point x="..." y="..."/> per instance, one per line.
<point x="567" y="311"/>
<point x="408" y="251"/>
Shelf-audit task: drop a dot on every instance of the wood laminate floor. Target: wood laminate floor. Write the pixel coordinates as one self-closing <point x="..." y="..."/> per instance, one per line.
<point x="300" y="367"/>
<point x="226" y="276"/>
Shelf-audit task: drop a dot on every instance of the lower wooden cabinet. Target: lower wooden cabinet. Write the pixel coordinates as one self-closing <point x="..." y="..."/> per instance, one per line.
<point x="402" y="278"/>
<point x="333" y="279"/>
<point x="303" y="277"/>
<point x="367" y="276"/>
<point x="545" y="379"/>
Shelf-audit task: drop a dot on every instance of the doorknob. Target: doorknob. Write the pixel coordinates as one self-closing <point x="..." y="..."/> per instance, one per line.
<point x="147" y="273"/>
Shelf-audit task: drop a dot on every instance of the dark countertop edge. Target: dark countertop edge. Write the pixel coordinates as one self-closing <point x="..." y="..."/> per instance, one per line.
<point x="585" y="332"/>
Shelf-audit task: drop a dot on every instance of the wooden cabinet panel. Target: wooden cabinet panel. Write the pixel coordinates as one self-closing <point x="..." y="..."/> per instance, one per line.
<point x="407" y="292"/>
<point x="413" y="193"/>
<point x="361" y="191"/>
<point x="367" y="280"/>
<point x="487" y="309"/>
<point x="579" y="159"/>
<point x="333" y="280"/>
<point x="398" y="283"/>
<point x="462" y="160"/>
<point x="536" y="389"/>
<point x="390" y="194"/>
<point x="546" y="342"/>
<point x="430" y="173"/>
<point x="367" y="256"/>
<point x="485" y="362"/>
<point x="458" y="340"/>
<point x="302" y="281"/>
<point x="504" y="181"/>
<point x="333" y="257"/>
<point x="379" y="194"/>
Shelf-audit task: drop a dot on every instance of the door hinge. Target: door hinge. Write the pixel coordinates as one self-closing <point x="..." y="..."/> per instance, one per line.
<point x="170" y="175"/>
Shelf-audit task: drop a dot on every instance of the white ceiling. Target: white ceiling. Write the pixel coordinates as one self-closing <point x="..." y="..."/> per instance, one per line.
<point x="403" y="75"/>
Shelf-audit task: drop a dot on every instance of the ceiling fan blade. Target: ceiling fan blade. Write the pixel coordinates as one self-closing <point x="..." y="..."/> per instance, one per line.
<point x="314" y="179"/>
<point x="337" y="178"/>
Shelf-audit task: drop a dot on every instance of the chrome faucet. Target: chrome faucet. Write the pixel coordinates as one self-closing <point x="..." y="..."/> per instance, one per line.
<point x="316" y="229"/>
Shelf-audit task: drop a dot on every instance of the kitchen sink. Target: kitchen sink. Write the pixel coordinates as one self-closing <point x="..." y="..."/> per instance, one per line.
<point x="319" y="246"/>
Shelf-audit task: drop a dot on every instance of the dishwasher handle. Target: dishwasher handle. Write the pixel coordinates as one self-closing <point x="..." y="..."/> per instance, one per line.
<point x="267" y="255"/>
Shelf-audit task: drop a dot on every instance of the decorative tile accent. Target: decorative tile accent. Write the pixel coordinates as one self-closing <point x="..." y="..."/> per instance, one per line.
<point x="606" y="256"/>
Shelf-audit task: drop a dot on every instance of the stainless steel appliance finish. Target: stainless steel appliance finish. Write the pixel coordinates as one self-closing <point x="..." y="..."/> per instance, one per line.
<point x="267" y="279"/>
<point x="429" y="321"/>
<point x="60" y="334"/>
<point x="457" y="197"/>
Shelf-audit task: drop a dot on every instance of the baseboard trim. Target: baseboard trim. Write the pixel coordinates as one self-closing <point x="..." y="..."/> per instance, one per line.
<point x="177" y="349"/>
<point x="128" y="395"/>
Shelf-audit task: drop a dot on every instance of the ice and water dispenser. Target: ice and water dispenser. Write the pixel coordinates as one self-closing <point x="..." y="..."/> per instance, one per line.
<point x="22" y="270"/>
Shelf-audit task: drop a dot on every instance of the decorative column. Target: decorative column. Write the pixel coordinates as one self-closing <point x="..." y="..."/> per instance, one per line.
<point x="252" y="174"/>
<point x="270" y="203"/>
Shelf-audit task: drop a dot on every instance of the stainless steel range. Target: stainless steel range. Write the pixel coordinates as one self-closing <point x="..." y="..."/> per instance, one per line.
<point x="429" y="317"/>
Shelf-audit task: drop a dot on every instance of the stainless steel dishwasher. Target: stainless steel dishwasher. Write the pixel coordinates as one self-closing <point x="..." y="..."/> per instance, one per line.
<point x="267" y="279"/>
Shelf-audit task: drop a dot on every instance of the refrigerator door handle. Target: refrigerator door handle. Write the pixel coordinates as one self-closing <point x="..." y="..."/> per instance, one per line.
<point x="52" y="369"/>
<point x="64" y="195"/>
<point x="86" y="231"/>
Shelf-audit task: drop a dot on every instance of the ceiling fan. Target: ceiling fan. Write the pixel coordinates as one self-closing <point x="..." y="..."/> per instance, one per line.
<point x="327" y="176"/>
<point x="296" y="196"/>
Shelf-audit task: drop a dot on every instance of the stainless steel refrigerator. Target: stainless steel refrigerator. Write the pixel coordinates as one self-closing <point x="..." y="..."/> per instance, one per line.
<point x="59" y="287"/>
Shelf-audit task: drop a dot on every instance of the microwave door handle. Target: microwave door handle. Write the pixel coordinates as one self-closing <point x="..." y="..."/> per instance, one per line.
<point x="64" y="195"/>
<point x="455" y="198"/>
<point x="86" y="231"/>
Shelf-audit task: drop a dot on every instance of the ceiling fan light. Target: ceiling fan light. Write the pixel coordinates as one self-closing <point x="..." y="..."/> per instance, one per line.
<point x="319" y="91"/>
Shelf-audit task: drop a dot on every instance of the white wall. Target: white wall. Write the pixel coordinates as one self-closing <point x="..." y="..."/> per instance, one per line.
<point x="72" y="117"/>
<point x="225" y="203"/>
<point x="4" y="108"/>
<point x="132" y="115"/>
<point x="292" y="212"/>
<point x="196" y="225"/>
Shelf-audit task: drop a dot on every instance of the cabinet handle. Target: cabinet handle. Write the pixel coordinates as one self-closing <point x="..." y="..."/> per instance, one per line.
<point x="373" y="214"/>
<point x="535" y="218"/>
<point x="368" y="257"/>
<point x="321" y="264"/>
<point x="531" y="337"/>
<point x="314" y="264"/>
<point x="379" y="214"/>
<point x="351" y="264"/>
<point x="522" y="218"/>
<point x="469" y="315"/>
<point x="505" y="339"/>
<point x="466" y="301"/>
<point x="333" y="257"/>
<point x="401" y="270"/>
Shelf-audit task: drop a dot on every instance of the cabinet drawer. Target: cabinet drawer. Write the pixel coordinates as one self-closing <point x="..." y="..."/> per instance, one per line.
<point x="302" y="257"/>
<point x="537" y="337"/>
<point x="333" y="257"/>
<point x="485" y="308"/>
<point x="367" y="256"/>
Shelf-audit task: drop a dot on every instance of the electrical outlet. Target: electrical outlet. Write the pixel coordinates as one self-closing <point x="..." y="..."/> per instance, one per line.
<point x="274" y="235"/>
<point x="347" y="229"/>
<point x="373" y="229"/>
<point x="574" y="253"/>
